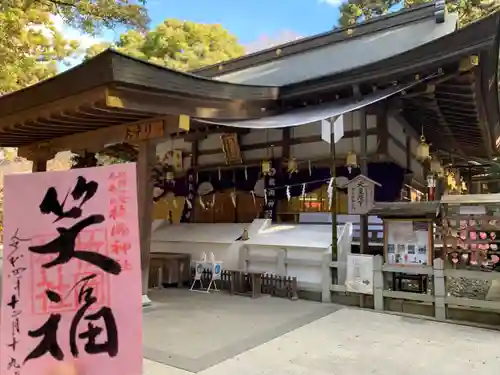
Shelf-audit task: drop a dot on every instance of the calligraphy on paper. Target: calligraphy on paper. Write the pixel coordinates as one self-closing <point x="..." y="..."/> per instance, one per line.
<point x="73" y="280"/>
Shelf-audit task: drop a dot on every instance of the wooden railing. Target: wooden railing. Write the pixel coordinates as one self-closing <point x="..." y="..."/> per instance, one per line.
<point x="437" y="293"/>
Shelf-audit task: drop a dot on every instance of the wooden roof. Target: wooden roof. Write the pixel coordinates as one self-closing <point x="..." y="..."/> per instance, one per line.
<point x="458" y="107"/>
<point x="303" y="45"/>
<point x="113" y="89"/>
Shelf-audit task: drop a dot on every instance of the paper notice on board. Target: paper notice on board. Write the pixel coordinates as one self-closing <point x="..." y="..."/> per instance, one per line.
<point x="359" y="274"/>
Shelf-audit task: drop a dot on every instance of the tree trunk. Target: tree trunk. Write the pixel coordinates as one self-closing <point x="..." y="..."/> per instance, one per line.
<point x="145" y="163"/>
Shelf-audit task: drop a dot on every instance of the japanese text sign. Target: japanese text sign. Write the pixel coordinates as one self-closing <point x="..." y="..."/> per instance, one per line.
<point x="144" y="131"/>
<point x="71" y="272"/>
<point x="360" y="193"/>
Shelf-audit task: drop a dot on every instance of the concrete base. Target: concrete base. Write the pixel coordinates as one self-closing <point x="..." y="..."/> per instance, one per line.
<point x="146" y="301"/>
<point x="194" y="331"/>
<point x="494" y="292"/>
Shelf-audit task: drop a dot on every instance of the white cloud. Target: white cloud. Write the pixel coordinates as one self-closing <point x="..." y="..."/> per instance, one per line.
<point x="334" y="3"/>
<point x="72" y="34"/>
<point x="266" y="41"/>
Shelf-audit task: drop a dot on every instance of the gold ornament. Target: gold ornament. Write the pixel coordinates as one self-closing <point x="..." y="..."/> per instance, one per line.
<point x="292" y="165"/>
<point x="352" y="159"/>
<point x="435" y="166"/>
<point x="266" y="166"/>
<point x="422" y="152"/>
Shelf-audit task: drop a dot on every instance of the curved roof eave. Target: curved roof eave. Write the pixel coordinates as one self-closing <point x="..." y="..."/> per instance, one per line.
<point x="112" y="68"/>
<point x="474" y="39"/>
<point x="246" y="68"/>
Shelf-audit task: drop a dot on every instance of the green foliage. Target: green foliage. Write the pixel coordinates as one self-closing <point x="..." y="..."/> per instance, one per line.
<point x="180" y="45"/>
<point x="355" y="11"/>
<point x="31" y="47"/>
<point x="90" y="16"/>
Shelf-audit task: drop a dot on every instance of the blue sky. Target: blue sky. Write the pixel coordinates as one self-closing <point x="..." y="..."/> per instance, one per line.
<point x="254" y="19"/>
<point x="256" y="23"/>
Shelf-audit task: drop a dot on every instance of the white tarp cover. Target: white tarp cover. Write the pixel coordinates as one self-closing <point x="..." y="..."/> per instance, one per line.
<point x="307" y="115"/>
<point x="286" y="235"/>
<point x="199" y="233"/>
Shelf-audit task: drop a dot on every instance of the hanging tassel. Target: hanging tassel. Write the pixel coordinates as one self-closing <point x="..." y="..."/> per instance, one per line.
<point x="310" y="168"/>
<point x="233" y="198"/>
<point x="202" y="204"/>
<point x="253" y="198"/>
<point x="288" y="193"/>
<point x="189" y="204"/>
<point x="330" y="192"/>
<point x="349" y="169"/>
<point x="246" y="174"/>
<point x="220" y="174"/>
<point x="303" y="191"/>
<point x="265" y="196"/>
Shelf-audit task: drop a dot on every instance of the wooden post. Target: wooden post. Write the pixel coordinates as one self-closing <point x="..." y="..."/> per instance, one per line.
<point x="333" y="206"/>
<point x="39" y="164"/>
<point x="145" y="163"/>
<point x="326" y="278"/>
<point x="439" y="290"/>
<point x="363" y="222"/>
<point x="378" y="283"/>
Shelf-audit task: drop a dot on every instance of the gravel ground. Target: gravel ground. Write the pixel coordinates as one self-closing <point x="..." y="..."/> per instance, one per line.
<point x="468" y="288"/>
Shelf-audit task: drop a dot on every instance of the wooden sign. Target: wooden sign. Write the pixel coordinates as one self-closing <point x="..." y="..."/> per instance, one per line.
<point x="361" y="194"/>
<point x="175" y="158"/>
<point x="231" y="148"/>
<point x="148" y="130"/>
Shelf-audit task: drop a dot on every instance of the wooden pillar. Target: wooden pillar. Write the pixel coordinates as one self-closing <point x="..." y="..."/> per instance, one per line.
<point x="363" y="222"/>
<point x="364" y="170"/>
<point x="39" y="164"/>
<point x="145" y="163"/>
<point x="382" y="131"/>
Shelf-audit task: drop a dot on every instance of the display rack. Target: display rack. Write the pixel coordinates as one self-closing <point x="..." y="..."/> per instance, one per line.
<point x="471" y="231"/>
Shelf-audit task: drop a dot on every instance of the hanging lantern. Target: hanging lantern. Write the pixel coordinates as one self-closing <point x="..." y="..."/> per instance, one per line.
<point x="422" y="152"/>
<point x="292" y="165"/>
<point x="435" y="165"/>
<point x="351" y="160"/>
<point x="266" y="166"/>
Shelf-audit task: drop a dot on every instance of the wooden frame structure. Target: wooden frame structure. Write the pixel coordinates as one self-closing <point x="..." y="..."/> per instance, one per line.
<point x="111" y="96"/>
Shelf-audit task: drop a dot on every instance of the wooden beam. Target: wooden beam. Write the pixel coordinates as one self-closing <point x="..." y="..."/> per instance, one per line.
<point x="159" y="103"/>
<point x="285" y="144"/>
<point x="94" y="141"/>
<point x="319" y="162"/>
<point x="291" y="142"/>
<point x="54" y="108"/>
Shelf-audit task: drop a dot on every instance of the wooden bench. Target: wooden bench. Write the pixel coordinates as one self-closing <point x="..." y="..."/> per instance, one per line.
<point x="240" y="280"/>
<point x="171" y="268"/>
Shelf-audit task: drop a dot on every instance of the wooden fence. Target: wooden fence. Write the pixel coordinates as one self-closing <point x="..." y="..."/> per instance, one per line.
<point x="276" y="286"/>
<point x="435" y="294"/>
